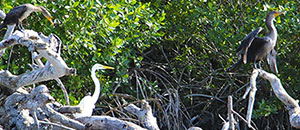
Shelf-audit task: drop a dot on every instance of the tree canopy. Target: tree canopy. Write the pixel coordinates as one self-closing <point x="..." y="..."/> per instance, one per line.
<point x="175" y="51"/>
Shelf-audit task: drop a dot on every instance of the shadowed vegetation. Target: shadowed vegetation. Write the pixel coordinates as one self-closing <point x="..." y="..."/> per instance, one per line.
<point x="175" y="51"/>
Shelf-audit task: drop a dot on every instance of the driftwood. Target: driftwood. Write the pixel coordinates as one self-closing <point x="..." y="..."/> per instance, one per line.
<point x="108" y="123"/>
<point x="64" y="120"/>
<point x="22" y="108"/>
<point x="69" y="109"/>
<point x="25" y="116"/>
<point x="195" y="128"/>
<point x="37" y="109"/>
<point x="290" y="103"/>
<point x="252" y="93"/>
<point x="231" y="124"/>
<point x="37" y="59"/>
<point x="230" y="114"/>
<point x="144" y="114"/>
<point x="46" y="46"/>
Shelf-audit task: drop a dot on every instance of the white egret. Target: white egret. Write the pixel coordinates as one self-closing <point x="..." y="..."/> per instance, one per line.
<point x="87" y="104"/>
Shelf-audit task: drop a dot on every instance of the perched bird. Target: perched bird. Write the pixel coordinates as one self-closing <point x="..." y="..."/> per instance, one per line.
<point x="87" y="104"/>
<point x="255" y="49"/>
<point x="19" y="13"/>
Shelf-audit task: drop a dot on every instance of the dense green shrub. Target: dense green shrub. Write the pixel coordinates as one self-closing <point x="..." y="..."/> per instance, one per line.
<point x="176" y="51"/>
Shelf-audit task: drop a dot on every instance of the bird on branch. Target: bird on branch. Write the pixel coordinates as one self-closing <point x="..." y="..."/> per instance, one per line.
<point x="87" y="104"/>
<point x="255" y="49"/>
<point x="19" y="13"/>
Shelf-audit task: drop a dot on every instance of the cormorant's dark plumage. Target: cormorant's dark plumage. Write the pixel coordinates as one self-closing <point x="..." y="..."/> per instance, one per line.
<point x="19" y="13"/>
<point x="254" y="49"/>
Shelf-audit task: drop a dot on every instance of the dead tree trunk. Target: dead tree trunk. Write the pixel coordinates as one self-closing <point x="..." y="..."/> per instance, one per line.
<point x="290" y="103"/>
<point x="23" y="108"/>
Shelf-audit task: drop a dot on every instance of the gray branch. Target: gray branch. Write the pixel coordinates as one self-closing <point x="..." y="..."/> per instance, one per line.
<point x="37" y="109"/>
<point x="37" y="59"/>
<point x="230" y="114"/>
<point x="251" y="96"/>
<point x="66" y="121"/>
<point x="21" y="108"/>
<point x="69" y="109"/>
<point x="144" y="114"/>
<point x="46" y="47"/>
<point x="19" y="105"/>
<point x="108" y="123"/>
<point x="290" y="103"/>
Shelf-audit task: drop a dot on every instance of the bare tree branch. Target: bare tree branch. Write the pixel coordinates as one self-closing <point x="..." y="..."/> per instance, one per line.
<point x="56" y="116"/>
<point x="144" y="114"/>
<point x="290" y="103"/>
<point x="26" y="102"/>
<point x="46" y="46"/>
<point x="69" y="109"/>
<point x="230" y="115"/>
<point x="57" y="125"/>
<point x="251" y="95"/>
<point x="37" y="59"/>
<point x="108" y="123"/>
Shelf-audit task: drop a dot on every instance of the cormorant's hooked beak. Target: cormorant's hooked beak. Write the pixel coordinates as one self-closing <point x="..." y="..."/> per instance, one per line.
<point x="279" y="13"/>
<point x="107" y="67"/>
<point x="49" y="18"/>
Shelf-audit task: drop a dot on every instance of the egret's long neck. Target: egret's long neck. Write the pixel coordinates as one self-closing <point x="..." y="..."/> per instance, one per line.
<point x="97" y="86"/>
<point x="271" y="27"/>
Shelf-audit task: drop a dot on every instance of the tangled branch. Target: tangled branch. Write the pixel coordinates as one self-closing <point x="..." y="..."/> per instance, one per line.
<point x="290" y="103"/>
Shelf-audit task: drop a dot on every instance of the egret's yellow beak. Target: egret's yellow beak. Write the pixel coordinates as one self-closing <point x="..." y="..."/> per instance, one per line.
<point x="49" y="18"/>
<point x="107" y="67"/>
<point x="279" y="13"/>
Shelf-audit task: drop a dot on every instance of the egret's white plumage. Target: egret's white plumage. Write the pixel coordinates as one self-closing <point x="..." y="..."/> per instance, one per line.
<point x="87" y="104"/>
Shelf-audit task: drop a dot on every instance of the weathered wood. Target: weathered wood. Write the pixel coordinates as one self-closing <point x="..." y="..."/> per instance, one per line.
<point x="194" y="128"/>
<point x="58" y="117"/>
<point x="251" y="96"/>
<point x="230" y="114"/>
<point x="56" y="125"/>
<point x="290" y="103"/>
<point x="69" y="109"/>
<point x="144" y="114"/>
<point x="19" y="105"/>
<point x="37" y="59"/>
<point x="108" y="123"/>
<point x="37" y="109"/>
<point x="46" y="47"/>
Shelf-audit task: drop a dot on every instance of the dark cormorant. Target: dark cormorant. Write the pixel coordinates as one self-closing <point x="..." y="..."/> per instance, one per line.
<point x="19" y="13"/>
<point x="254" y="49"/>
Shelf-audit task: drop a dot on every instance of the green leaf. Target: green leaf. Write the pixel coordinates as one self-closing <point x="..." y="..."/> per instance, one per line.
<point x="76" y="4"/>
